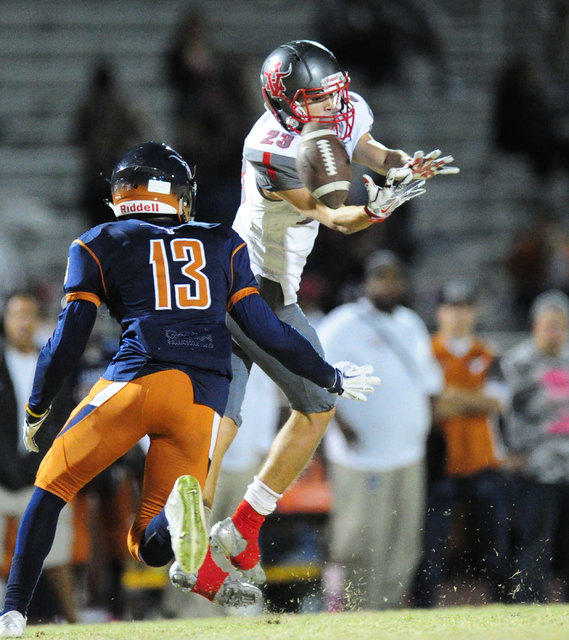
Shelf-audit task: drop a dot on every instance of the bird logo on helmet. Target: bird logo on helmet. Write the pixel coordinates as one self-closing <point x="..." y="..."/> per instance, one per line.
<point x="299" y="73"/>
<point x="153" y="180"/>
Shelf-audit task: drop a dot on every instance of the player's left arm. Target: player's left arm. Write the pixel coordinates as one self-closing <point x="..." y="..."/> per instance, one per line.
<point x="422" y="166"/>
<point x="399" y="188"/>
<point x="376" y="156"/>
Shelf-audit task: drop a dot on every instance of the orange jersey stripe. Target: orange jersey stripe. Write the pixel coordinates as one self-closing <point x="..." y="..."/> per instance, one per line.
<point x="240" y="295"/>
<point x="232" y="256"/>
<point x="83" y="295"/>
<point x="82" y="244"/>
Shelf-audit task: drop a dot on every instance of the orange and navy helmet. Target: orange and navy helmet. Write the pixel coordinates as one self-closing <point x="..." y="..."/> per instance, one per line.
<point x="153" y="180"/>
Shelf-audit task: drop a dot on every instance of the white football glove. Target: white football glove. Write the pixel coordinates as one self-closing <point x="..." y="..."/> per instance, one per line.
<point x="32" y="424"/>
<point x="382" y="202"/>
<point x="426" y="166"/>
<point x="354" y="382"/>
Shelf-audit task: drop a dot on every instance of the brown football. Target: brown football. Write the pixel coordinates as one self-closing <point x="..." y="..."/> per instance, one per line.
<point x="323" y="165"/>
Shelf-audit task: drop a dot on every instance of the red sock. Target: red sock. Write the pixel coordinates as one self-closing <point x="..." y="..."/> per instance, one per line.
<point x="210" y="578"/>
<point x="248" y="522"/>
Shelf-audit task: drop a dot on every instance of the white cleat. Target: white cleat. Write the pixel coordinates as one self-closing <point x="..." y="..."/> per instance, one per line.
<point x="232" y="593"/>
<point x="187" y="524"/>
<point x="226" y="539"/>
<point x="12" y="625"/>
<point x="235" y="593"/>
<point x="180" y="579"/>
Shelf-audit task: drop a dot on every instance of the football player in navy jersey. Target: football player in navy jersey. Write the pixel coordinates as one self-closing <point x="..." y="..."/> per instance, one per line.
<point x="169" y="282"/>
<point x="279" y="218"/>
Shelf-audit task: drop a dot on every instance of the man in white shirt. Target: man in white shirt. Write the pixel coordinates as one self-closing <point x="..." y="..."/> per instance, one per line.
<point x="376" y="449"/>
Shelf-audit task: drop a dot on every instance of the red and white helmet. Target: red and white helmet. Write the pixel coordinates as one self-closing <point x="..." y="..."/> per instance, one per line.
<point x="300" y="72"/>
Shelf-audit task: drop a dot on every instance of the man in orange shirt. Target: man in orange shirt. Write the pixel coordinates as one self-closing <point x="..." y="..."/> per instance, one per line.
<point x="465" y="415"/>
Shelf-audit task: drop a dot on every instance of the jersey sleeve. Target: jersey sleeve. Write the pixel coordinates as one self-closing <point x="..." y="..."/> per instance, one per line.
<point x="363" y="121"/>
<point x="243" y="281"/>
<point x="273" y="171"/>
<point x="62" y="352"/>
<point x="84" y="278"/>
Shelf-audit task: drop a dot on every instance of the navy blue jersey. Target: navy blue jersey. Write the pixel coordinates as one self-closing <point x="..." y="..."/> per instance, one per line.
<point x="170" y="288"/>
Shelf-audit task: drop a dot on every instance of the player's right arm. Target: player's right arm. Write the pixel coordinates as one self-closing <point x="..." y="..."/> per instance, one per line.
<point x="347" y="219"/>
<point x="84" y="288"/>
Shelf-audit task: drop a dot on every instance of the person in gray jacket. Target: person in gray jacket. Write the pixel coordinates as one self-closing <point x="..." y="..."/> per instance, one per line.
<point x="537" y="373"/>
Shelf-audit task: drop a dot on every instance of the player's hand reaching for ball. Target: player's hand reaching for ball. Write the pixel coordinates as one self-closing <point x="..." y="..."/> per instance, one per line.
<point x="382" y="201"/>
<point x="426" y="166"/>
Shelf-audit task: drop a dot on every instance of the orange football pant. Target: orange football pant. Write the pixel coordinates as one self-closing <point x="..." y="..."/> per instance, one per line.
<point x="112" y="419"/>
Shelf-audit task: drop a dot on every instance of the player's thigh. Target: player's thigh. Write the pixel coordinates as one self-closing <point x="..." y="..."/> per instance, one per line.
<point x="241" y="368"/>
<point x="303" y="395"/>
<point x="182" y="436"/>
<point x="101" y="429"/>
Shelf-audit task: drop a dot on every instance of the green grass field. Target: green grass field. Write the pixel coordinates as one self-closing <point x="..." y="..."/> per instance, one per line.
<point x="492" y="622"/>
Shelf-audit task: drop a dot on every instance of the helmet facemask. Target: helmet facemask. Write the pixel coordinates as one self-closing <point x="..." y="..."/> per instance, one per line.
<point x="341" y="118"/>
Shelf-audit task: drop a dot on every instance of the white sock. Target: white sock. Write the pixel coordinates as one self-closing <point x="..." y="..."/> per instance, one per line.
<point x="262" y="498"/>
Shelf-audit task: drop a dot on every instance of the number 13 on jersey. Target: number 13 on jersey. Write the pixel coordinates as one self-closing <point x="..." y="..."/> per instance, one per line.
<point x="163" y="257"/>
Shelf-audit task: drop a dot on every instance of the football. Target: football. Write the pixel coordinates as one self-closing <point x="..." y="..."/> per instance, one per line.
<point x="323" y="165"/>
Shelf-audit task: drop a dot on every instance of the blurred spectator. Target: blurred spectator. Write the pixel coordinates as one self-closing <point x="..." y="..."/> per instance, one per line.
<point x="353" y="29"/>
<point x="376" y="449"/>
<point x="537" y="373"/>
<point x="212" y="113"/>
<point x="337" y="258"/>
<point x="465" y="417"/>
<point x="557" y="42"/>
<point x="19" y="353"/>
<point x="525" y="121"/>
<point x="538" y="260"/>
<point x="105" y="126"/>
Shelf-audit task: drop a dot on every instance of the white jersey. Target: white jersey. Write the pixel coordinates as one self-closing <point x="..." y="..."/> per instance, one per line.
<point x="278" y="237"/>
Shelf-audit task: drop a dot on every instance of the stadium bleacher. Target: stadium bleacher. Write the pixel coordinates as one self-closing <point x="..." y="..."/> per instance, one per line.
<point x="465" y="222"/>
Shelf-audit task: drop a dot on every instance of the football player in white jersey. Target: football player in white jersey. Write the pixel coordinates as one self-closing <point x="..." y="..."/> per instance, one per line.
<point x="278" y="218"/>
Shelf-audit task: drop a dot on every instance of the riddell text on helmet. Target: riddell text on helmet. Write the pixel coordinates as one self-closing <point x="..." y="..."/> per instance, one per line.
<point x="145" y="206"/>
